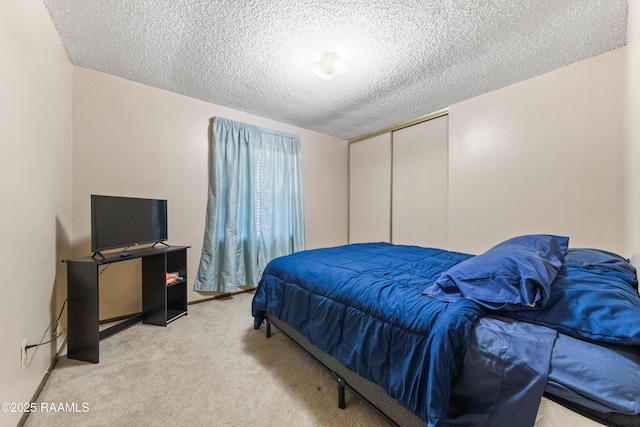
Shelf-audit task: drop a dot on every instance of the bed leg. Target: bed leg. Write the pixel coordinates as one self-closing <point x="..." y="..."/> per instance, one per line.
<point x="341" y="402"/>
<point x="268" y="329"/>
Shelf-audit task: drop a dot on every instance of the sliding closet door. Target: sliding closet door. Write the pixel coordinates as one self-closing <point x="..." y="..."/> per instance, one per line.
<point x="370" y="190"/>
<point x="420" y="184"/>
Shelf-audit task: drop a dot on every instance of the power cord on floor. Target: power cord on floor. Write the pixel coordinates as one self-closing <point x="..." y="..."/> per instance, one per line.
<point x="54" y="331"/>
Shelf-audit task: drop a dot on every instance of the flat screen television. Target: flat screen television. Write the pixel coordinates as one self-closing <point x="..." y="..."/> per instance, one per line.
<point x="121" y="222"/>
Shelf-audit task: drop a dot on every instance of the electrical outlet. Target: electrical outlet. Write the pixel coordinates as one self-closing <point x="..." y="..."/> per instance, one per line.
<point x="23" y="352"/>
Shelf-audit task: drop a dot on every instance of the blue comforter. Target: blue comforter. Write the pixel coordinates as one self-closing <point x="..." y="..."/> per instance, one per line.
<point x="363" y="304"/>
<point x="402" y="317"/>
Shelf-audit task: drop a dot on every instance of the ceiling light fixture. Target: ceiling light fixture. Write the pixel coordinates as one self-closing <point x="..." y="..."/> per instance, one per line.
<point x="329" y="66"/>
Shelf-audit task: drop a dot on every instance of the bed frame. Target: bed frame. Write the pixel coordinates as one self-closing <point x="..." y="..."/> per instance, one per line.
<point x="371" y="393"/>
<point x="395" y="414"/>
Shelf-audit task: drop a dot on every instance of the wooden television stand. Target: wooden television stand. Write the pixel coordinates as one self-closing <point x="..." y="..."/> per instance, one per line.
<point x="161" y="303"/>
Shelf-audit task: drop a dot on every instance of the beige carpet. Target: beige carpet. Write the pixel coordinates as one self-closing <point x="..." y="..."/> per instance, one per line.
<point x="210" y="368"/>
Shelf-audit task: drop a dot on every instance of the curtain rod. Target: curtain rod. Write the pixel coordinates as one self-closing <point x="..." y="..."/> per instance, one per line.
<point x="402" y="125"/>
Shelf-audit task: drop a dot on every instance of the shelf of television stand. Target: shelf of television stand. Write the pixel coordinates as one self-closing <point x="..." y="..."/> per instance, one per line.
<point x="161" y="302"/>
<point x="176" y="300"/>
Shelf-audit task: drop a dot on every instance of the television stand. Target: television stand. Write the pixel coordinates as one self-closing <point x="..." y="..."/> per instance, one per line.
<point x="160" y="243"/>
<point x="161" y="303"/>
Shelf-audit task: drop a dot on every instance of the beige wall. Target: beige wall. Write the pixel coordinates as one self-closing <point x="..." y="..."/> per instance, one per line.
<point x="632" y="135"/>
<point x="35" y="183"/>
<point x="135" y="140"/>
<point x="541" y="156"/>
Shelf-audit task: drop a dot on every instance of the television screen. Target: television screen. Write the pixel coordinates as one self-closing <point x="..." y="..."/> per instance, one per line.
<point x="119" y="222"/>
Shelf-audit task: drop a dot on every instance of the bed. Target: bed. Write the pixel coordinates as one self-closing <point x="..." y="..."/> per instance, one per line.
<point x="434" y="337"/>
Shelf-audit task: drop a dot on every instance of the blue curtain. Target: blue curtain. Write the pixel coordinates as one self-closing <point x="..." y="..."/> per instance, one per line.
<point x="255" y="205"/>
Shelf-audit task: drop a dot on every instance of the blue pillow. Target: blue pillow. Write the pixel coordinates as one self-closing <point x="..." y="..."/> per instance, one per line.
<point x="593" y="298"/>
<point x="604" y="261"/>
<point x="513" y="275"/>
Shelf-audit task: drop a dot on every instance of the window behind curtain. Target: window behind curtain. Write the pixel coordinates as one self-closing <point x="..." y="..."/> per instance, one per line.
<point x="255" y="204"/>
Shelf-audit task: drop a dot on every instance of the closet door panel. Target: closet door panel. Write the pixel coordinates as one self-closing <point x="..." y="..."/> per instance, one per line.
<point x="420" y="184"/>
<point x="370" y="190"/>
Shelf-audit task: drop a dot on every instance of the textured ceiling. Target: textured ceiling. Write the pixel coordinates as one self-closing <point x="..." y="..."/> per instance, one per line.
<point x="408" y="58"/>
